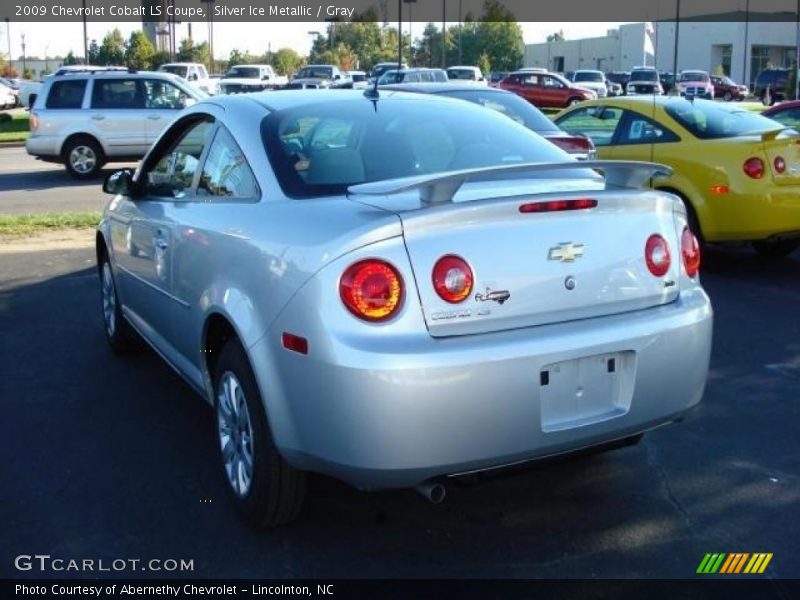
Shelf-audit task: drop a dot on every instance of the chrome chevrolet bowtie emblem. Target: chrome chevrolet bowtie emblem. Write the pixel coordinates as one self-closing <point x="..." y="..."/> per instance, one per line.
<point x="565" y="252"/>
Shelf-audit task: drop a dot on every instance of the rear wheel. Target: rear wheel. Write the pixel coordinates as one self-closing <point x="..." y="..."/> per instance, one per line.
<point x="727" y="97"/>
<point x="573" y="101"/>
<point x="776" y="249"/>
<point x="83" y="157"/>
<point x="265" y="489"/>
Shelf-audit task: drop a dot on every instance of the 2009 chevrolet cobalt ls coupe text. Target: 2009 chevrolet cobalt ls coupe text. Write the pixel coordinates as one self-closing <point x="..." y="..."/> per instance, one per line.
<point x="399" y="288"/>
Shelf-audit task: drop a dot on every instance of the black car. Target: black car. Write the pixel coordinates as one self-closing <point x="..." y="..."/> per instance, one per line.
<point x="620" y="77"/>
<point x="775" y="80"/>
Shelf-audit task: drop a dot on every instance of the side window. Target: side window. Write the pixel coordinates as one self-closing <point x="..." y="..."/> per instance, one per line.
<point x="66" y="94"/>
<point x="598" y="123"/>
<point x="226" y="172"/>
<point x="553" y="83"/>
<point x="638" y="129"/>
<point x="202" y="72"/>
<point x="174" y="172"/>
<point x="162" y="94"/>
<point x="118" y="93"/>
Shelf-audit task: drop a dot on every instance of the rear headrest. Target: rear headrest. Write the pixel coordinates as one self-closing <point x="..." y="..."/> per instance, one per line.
<point x="335" y="166"/>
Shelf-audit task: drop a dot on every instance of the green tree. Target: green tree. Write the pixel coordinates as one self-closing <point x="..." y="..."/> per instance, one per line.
<point x="94" y="53"/>
<point x="139" y="52"/>
<point x="70" y="59"/>
<point x="238" y="57"/>
<point x="186" y="51"/>
<point x="159" y="58"/>
<point x="112" y="49"/>
<point x="558" y="36"/>
<point x="27" y="74"/>
<point x="286" y="61"/>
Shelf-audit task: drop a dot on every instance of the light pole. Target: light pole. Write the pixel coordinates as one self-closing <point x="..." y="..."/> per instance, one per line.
<point x="399" y="34"/>
<point x="410" y="22"/>
<point x="746" y="32"/>
<point x="85" y="37"/>
<point x="460" y="27"/>
<point x="210" y="18"/>
<point x="797" y="53"/>
<point x="444" y="34"/>
<point x="677" y="32"/>
<point x="8" y="33"/>
<point x="24" y="59"/>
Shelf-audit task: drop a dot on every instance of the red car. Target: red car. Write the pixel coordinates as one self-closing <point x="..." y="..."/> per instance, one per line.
<point x="786" y="113"/>
<point x="545" y="90"/>
<point x="727" y="89"/>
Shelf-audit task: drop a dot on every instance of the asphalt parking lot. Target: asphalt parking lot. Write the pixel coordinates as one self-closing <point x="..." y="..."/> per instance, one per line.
<point x="115" y="458"/>
<point x="32" y="186"/>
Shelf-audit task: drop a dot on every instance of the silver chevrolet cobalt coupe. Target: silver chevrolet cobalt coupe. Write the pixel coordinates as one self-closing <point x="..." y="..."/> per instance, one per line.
<point x="395" y="289"/>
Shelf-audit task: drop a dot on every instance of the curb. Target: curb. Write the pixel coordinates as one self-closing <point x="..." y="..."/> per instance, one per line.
<point x="12" y="144"/>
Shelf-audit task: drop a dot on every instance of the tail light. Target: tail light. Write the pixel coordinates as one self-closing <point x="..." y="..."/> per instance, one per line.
<point x="557" y="205"/>
<point x="656" y="255"/>
<point x="754" y="167"/>
<point x="452" y="279"/>
<point x="33" y="122"/>
<point x="371" y="289"/>
<point x="575" y="144"/>
<point x="780" y="164"/>
<point x="690" y="250"/>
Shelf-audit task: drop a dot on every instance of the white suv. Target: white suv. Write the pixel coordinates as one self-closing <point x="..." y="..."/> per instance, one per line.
<point x="87" y="118"/>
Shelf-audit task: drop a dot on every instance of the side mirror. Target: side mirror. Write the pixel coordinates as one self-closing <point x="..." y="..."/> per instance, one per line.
<point x="119" y="182"/>
<point x="32" y="100"/>
<point x="337" y="77"/>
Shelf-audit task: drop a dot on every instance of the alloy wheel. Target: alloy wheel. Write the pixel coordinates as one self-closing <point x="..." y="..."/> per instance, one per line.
<point x="235" y="434"/>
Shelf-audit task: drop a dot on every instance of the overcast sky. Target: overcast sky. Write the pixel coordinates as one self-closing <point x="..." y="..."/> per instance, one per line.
<point x="59" y="38"/>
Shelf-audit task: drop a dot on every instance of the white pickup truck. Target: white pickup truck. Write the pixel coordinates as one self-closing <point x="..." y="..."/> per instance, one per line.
<point x="242" y="79"/>
<point x="194" y="73"/>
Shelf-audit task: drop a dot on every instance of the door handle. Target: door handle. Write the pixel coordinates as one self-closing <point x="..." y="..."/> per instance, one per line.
<point x="98" y="117"/>
<point x="161" y="244"/>
<point x="154" y="117"/>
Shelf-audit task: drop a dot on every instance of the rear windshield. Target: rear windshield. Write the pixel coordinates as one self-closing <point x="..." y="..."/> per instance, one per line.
<point x="588" y="76"/>
<point x="178" y="70"/>
<point x="244" y="73"/>
<point x="461" y="74"/>
<point x="693" y="76"/>
<point x="644" y="76"/>
<point x="358" y="77"/>
<point x="510" y="105"/>
<point x="315" y="73"/>
<point x="712" y="120"/>
<point x="321" y="149"/>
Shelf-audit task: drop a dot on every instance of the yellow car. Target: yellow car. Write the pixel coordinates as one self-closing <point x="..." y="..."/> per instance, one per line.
<point x="737" y="172"/>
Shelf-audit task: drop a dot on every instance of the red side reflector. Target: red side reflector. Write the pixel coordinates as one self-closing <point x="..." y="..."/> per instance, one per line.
<point x="557" y="205"/>
<point x="720" y="189"/>
<point x="295" y="343"/>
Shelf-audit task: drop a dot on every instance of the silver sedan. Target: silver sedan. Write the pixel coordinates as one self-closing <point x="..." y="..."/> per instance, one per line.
<point x="394" y="289"/>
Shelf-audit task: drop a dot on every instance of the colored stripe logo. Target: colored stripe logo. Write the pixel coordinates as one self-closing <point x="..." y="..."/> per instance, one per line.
<point x="734" y="563"/>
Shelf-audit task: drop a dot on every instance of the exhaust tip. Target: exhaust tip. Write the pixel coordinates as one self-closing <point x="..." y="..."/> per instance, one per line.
<point x="434" y="492"/>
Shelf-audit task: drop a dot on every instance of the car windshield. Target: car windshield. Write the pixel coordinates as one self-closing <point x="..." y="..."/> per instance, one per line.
<point x="244" y="73"/>
<point x="588" y="76"/>
<point x="644" y="76"/>
<point x="358" y="77"/>
<point x="711" y="120"/>
<point x="315" y="73"/>
<point x="510" y="105"/>
<point x="178" y="70"/>
<point x="694" y="76"/>
<point x="391" y="77"/>
<point x="322" y="148"/>
<point x="468" y="74"/>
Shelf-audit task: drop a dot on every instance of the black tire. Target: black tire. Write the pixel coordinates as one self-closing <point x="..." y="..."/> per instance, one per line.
<point x="121" y="336"/>
<point x="275" y="493"/>
<point x="727" y="97"/>
<point x="83" y="157"/>
<point x="775" y="249"/>
<point x="573" y="101"/>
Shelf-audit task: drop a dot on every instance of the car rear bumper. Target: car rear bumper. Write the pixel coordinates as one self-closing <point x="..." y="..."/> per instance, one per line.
<point x="403" y="412"/>
<point x="45" y="146"/>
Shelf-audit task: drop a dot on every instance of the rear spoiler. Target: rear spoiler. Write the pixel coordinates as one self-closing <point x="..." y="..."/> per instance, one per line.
<point x="439" y="188"/>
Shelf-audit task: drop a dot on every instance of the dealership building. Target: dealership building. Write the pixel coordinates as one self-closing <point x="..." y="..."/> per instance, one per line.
<point x="741" y="49"/>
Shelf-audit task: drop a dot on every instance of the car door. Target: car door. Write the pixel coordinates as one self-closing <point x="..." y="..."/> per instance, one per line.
<point x="553" y="92"/>
<point x="226" y="183"/>
<point x="142" y="231"/>
<point x="117" y="113"/>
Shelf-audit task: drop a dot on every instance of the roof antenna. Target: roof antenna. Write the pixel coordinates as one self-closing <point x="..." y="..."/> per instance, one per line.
<point x="372" y="93"/>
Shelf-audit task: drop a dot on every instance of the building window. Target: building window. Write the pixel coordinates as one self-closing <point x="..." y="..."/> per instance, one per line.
<point x="558" y="64"/>
<point x="726" y="51"/>
<point x="759" y="60"/>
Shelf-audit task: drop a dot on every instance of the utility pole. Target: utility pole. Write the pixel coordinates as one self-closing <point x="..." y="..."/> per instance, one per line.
<point x="797" y="53"/>
<point x="744" y="52"/>
<point x="85" y="37"/>
<point x="460" y="27"/>
<point x="677" y="32"/>
<point x="444" y="34"/>
<point x="24" y="59"/>
<point x="8" y="34"/>
<point x="399" y="34"/>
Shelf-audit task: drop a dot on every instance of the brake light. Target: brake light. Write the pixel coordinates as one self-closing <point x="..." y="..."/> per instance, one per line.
<point x="656" y="255"/>
<point x="371" y="289"/>
<point x="574" y="144"/>
<point x="452" y="279"/>
<point x="557" y="205"/>
<point x="754" y="167"/>
<point x="690" y="250"/>
<point x="780" y="164"/>
<point x="33" y="122"/>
